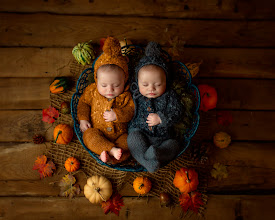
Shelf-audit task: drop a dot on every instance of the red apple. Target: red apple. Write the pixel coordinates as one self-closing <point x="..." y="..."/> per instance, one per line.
<point x="208" y="96"/>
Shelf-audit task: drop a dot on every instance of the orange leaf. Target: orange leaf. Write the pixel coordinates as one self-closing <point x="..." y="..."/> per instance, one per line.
<point x="45" y="169"/>
<point x="192" y="201"/>
<point x="113" y="204"/>
<point x="185" y="201"/>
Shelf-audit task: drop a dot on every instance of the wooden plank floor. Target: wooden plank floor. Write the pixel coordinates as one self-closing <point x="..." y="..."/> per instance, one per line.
<point x="235" y="41"/>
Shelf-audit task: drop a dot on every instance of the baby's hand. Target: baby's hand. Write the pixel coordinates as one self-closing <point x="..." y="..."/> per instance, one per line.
<point x="109" y="116"/>
<point x="153" y="119"/>
<point x="84" y="125"/>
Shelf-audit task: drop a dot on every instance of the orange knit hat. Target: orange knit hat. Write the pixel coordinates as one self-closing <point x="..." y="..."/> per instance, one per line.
<point x="112" y="55"/>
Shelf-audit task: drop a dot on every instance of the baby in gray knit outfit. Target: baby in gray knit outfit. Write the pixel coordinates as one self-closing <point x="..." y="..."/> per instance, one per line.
<point x="157" y="109"/>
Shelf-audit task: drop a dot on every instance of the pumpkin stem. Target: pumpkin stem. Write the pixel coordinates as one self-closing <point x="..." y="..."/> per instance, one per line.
<point x="97" y="189"/>
<point x="188" y="180"/>
<point x="140" y="187"/>
<point x="59" y="132"/>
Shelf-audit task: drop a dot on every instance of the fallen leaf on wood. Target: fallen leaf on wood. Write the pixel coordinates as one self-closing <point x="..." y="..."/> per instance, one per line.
<point x="113" y="204"/>
<point x="219" y="171"/>
<point x="67" y="187"/>
<point x="192" y="201"/>
<point x="50" y="114"/>
<point x="45" y="169"/>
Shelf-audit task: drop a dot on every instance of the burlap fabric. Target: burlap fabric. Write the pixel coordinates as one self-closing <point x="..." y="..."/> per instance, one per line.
<point x="162" y="181"/>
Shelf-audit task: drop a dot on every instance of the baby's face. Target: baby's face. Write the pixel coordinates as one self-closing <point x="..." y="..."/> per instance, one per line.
<point x="151" y="82"/>
<point x="110" y="83"/>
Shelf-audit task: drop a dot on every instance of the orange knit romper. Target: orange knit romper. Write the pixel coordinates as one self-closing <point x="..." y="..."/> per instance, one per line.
<point x="103" y="136"/>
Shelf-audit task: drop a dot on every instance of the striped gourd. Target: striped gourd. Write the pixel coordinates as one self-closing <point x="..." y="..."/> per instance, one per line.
<point x="84" y="53"/>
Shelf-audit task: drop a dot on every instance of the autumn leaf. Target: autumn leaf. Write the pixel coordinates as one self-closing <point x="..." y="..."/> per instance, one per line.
<point x="219" y="171"/>
<point x="67" y="187"/>
<point x="45" y="169"/>
<point x="192" y="201"/>
<point x="224" y="118"/>
<point x="185" y="201"/>
<point x="196" y="201"/>
<point x="113" y="204"/>
<point x="49" y="115"/>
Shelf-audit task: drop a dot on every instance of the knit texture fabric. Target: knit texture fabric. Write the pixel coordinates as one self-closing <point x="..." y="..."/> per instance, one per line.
<point x="111" y="55"/>
<point x="167" y="106"/>
<point x="152" y="57"/>
<point x="91" y="107"/>
<point x="103" y="136"/>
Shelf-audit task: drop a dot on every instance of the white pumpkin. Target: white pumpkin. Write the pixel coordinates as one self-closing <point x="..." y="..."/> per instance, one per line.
<point x="98" y="189"/>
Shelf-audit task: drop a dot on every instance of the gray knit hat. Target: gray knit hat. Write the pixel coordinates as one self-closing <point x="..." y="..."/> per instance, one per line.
<point x="152" y="57"/>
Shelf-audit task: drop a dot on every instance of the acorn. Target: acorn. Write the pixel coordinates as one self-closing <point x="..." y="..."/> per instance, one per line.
<point x="65" y="108"/>
<point x="165" y="199"/>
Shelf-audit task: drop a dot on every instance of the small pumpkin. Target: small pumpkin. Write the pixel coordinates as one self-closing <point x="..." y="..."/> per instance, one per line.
<point x="59" y="85"/>
<point x="65" y="108"/>
<point x="124" y="47"/>
<point x="142" y="185"/>
<point x="72" y="164"/>
<point x="98" y="189"/>
<point x="63" y="134"/>
<point x="84" y="53"/>
<point x="186" y="180"/>
<point x="222" y="139"/>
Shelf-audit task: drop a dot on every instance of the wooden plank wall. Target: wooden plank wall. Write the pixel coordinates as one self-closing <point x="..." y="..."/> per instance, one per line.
<point x="235" y="40"/>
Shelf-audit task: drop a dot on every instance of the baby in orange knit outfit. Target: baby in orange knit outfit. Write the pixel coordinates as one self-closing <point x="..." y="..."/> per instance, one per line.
<point x="106" y="106"/>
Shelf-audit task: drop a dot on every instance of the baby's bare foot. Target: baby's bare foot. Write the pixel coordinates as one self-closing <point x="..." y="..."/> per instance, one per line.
<point x="104" y="156"/>
<point x="116" y="152"/>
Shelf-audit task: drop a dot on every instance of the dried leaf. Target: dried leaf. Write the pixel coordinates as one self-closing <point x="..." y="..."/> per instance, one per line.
<point x="196" y="201"/>
<point x="185" y="201"/>
<point x="192" y="201"/>
<point x="50" y="114"/>
<point x="113" y="204"/>
<point x="219" y="171"/>
<point x="45" y="169"/>
<point x="193" y="68"/>
<point x="67" y="187"/>
<point x="224" y="118"/>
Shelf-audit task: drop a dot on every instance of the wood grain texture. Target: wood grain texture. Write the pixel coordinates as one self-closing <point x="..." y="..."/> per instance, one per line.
<point x="229" y="9"/>
<point x="46" y="30"/>
<point x="250" y="167"/>
<point x="225" y="207"/>
<point x="35" y="62"/>
<point x="245" y="94"/>
<point x="20" y="126"/>
<point x="25" y="93"/>
<point x="218" y="62"/>
<point x="242" y="93"/>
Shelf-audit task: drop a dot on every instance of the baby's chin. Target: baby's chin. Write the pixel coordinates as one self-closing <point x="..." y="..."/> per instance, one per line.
<point x="149" y="96"/>
<point x="110" y="96"/>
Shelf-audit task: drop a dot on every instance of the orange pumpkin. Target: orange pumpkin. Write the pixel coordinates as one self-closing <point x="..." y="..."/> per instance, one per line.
<point x="72" y="164"/>
<point x="186" y="180"/>
<point x="63" y="134"/>
<point x="142" y="185"/>
<point x="222" y="139"/>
